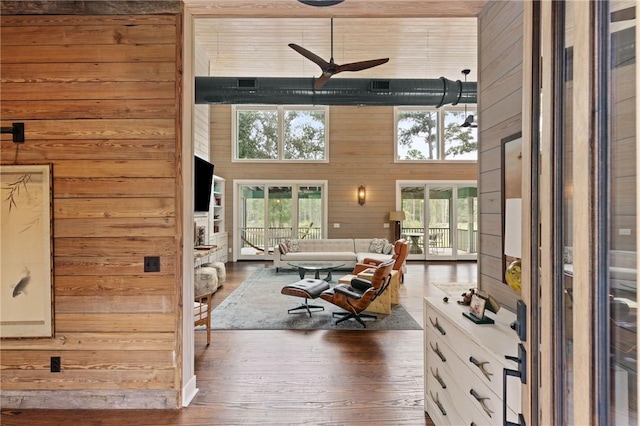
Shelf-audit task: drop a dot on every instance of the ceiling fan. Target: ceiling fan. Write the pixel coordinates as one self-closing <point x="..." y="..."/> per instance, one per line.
<point x="468" y="121"/>
<point x="330" y="68"/>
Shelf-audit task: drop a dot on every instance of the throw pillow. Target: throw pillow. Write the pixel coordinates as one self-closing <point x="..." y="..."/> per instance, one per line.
<point x="361" y="285"/>
<point x="284" y="249"/>
<point x="377" y="244"/>
<point x="388" y="248"/>
<point x="293" y="246"/>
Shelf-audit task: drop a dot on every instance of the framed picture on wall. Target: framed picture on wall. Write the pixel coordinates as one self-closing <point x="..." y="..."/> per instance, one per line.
<point x="511" y="209"/>
<point x="26" y="308"/>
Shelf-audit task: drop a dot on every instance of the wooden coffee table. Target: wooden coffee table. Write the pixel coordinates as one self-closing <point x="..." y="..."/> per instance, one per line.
<point x="317" y="267"/>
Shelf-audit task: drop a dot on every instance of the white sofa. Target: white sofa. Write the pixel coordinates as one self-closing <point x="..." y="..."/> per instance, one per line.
<point x="344" y="250"/>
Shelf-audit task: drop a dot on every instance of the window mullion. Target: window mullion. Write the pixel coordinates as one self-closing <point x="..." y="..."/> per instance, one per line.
<point x="440" y="134"/>
<point x="280" y="132"/>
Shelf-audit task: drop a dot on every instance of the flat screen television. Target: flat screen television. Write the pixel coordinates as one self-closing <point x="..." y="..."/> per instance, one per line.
<point x="202" y="181"/>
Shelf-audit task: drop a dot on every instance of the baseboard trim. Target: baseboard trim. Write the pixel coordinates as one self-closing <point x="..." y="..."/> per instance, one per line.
<point x="189" y="392"/>
<point x="89" y="399"/>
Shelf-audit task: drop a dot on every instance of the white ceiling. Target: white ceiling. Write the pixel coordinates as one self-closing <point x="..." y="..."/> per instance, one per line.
<point x="417" y="47"/>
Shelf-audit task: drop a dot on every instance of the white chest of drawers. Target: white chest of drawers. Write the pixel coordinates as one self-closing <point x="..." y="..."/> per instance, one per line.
<point x="463" y="366"/>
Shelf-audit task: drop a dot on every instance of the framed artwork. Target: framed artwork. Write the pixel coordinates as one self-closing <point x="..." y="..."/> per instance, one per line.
<point x="26" y="308"/>
<point x="511" y="201"/>
<point x="477" y="305"/>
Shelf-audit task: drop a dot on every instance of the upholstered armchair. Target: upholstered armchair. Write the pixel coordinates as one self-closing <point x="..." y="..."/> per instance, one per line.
<point x="356" y="297"/>
<point x="400" y="252"/>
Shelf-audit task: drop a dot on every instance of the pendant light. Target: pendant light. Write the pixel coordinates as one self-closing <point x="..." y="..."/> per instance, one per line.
<point x="468" y="121"/>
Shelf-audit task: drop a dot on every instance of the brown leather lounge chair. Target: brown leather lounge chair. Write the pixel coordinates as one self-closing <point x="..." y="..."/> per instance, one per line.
<point x="400" y="252"/>
<point x="357" y="296"/>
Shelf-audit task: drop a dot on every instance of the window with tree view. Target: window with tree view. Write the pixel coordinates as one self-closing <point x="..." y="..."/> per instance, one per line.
<point x="280" y="133"/>
<point x="435" y="134"/>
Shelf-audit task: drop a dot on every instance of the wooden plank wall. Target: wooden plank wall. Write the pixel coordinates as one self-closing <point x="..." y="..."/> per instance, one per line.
<point x="500" y="105"/>
<point x="99" y="98"/>
<point x="201" y="112"/>
<point x="361" y="144"/>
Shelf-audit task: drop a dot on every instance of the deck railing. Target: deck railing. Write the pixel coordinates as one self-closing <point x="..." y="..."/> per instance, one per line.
<point x="255" y="236"/>
<point x="440" y="238"/>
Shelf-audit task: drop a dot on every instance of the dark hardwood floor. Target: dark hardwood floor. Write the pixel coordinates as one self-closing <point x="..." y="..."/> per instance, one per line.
<point x="295" y="377"/>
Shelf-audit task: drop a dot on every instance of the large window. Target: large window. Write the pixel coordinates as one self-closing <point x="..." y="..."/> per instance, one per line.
<point x="280" y="133"/>
<point x="267" y="212"/>
<point x="428" y="134"/>
<point x="441" y="219"/>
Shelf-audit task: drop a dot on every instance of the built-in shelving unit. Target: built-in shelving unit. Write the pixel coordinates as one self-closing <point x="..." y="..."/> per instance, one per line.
<point x="217" y="230"/>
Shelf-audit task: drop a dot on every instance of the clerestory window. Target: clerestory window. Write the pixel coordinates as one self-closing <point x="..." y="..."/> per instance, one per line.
<point x="280" y="133"/>
<point x="436" y="134"/>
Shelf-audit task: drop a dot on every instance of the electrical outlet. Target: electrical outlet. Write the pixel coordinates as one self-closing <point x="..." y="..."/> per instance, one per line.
<point x="336" y="225"/>
<point x="152" y="263"/>
<point x="385" y="225"/>
<point x="624" y="231"/>
<point x="56" y="364"/>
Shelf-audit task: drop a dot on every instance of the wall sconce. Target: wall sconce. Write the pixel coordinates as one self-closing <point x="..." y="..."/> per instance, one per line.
<point x="17" y="130"/>
<point x="397" y="217"/>
<point x="362" y="194"/>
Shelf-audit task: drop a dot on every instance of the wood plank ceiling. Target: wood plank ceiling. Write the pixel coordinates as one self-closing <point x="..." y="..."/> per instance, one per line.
<point x="420" y="41"/>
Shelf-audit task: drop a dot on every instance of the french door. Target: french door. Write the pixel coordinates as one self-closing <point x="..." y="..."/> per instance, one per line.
<point x="268" y="212"/>
<point x="440" y="219"/>
<point x="586" y="279"/>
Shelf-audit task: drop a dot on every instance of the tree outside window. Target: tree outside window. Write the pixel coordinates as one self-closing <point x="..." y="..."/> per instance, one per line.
<point x="435" y="134"/>
<point x="279" y="133"/>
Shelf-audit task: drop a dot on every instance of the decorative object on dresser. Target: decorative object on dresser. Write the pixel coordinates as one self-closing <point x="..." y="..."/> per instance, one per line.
<point x="465" y="366"/>
<point x="479" y="303"/>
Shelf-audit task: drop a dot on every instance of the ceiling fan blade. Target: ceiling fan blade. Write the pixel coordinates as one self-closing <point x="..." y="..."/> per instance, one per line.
<point x="321" y="3"/>
<point x="321" y="81"/>
<point x="324" y="65"/>
<point x="363" y="65"/>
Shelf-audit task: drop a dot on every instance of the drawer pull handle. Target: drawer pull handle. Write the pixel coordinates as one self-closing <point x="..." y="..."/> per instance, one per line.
<point x="436" y="400"/>
<point x="437" y="326"/>
<point x="437" y="351"/>
<point x="481" y="400"/>
<point x="481" y="365"/>
<point x="438" y="378"/>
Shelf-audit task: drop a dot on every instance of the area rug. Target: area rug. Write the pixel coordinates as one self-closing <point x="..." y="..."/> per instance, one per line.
<point x="454" y="289"/>
<point x="257" y="304"/>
